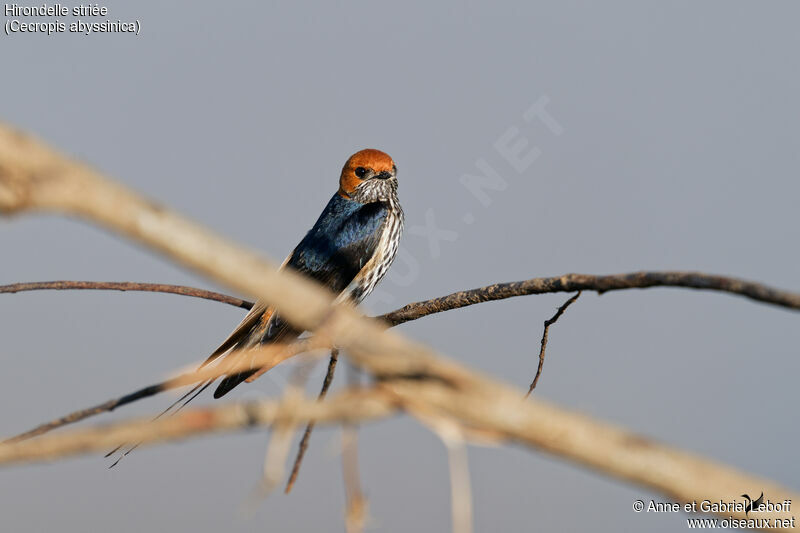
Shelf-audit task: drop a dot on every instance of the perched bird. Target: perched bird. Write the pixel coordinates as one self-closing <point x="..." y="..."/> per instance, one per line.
<point x="349" y="250"/>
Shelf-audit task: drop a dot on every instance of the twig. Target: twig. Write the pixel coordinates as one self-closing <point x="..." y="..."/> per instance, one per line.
<point x="280" y="441"/>
<point x="301" y="450"/>
<point x="547" y="324"/>
<point x="126" y="286"/>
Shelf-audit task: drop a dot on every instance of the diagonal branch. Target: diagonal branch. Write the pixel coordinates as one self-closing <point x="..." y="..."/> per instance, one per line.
<point x="303" y="446"/>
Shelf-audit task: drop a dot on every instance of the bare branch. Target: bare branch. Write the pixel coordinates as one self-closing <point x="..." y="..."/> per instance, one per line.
<point x="489" y="293"/>
<point x="301" y="450"/>
<point x="126" y="286"/>
<point x="600" y="284"/>
<point x="547" y="323"/>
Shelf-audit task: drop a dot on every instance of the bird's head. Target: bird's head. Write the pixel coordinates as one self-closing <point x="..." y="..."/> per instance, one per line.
<point x="368" y="176"/>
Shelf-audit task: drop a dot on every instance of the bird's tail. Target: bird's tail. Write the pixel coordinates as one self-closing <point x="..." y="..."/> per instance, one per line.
<point x="252" y="331"/>
<point x="183" y="401"/>
<point x="231" y="381"/>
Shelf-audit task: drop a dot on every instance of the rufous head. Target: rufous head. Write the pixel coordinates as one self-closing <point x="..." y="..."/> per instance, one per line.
<point x="368" y="169"/>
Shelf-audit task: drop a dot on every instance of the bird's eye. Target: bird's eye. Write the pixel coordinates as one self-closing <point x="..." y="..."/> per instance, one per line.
<point x="361" y="172"/>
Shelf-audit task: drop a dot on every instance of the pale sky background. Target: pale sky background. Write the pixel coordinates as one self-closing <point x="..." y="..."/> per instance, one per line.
<point x="679" y="150"/>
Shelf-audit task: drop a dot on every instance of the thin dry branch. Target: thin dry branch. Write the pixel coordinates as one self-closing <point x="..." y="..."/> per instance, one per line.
<point x="588" y="282"/>
<point x="125" y="286"/>
<point x="33" y="177"/>
<point x="489" y="293"/>
<point x="547" y="323"/>
<point x="303" y="446"/>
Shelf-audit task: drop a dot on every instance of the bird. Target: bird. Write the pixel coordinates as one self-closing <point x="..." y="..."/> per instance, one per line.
<point x="349" y="250"/>
<point x="752" y="504"/>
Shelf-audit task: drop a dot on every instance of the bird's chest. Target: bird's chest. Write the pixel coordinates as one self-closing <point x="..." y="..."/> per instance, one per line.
<point x="385" y="254"/>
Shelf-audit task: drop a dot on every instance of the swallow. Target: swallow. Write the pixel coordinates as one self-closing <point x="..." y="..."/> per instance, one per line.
<point x="348" y="250"/>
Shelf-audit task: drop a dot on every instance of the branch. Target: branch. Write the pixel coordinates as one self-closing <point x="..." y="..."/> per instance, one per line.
<point x="303" y="446"/>
<point x="126" y="286"/>
<point x="587" y="282"/>
<point x="547" y="323"/>
<point x="489" y="293"/>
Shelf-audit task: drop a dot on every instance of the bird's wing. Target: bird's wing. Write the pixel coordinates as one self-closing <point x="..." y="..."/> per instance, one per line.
<point x="341" y="243"/>
<point x="333" y="252"/>
<point x="759" y="501"/>
<point x="245" y="327"/>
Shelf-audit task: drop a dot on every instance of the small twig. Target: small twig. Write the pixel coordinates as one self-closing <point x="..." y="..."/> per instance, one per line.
<point x="547" y="324"/>
<point x="126" y="286"/>
<point x="280" y="441"/>
<point x="301" y="450"/>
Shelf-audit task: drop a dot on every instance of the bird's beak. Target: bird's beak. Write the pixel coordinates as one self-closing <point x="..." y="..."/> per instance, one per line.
<point x="383" y="175"/>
